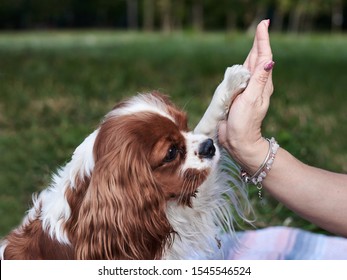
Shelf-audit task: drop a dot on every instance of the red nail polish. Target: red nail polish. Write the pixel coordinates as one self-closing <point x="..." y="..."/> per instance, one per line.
<point x="268" y="66"/>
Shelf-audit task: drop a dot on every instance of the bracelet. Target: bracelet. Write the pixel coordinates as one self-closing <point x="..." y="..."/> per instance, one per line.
<point x="264" y="168"/>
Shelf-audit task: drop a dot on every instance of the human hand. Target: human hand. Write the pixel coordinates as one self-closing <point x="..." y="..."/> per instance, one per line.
<point x="241" y="133"/>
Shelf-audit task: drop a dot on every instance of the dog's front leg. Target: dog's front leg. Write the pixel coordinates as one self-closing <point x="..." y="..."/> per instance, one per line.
<point x="235" y="81"/>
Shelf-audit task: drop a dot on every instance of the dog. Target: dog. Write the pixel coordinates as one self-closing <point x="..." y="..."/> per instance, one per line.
<point x="141" y="186"/>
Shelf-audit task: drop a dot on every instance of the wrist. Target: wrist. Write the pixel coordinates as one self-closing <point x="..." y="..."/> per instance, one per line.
<point x="250" y="155"/>
<point x="258" y="177"/>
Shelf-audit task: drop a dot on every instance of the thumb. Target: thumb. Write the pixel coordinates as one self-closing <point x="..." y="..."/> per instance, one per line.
<point x="222" y="131"/>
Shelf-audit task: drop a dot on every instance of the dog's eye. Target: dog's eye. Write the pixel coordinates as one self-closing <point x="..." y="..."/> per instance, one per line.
<point x="171" y="154"/>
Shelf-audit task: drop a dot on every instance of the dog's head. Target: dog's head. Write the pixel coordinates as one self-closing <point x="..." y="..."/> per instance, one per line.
<point x="144" y="156"/>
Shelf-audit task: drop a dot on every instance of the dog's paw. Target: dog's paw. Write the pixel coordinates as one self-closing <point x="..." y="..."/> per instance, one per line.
<point x="236" y="78"/>
<point x="235" y="81"/>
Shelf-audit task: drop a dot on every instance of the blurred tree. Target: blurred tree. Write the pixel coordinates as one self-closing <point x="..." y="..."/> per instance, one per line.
<point x="315" y="8"/>
<point x="198" y="15"/>
<point x="132" y="14"/>
<point x="281" y="9"/>
<point x="165" y="15"/>
<point x="337" y="15"/>
<point x="304" y="13"/>
<point x="260" y="13"/>
<point x="148" y="15"/>
<point x="294" y="15"/>
<point x="179" y="13"/>
<point x="231" y="11"/>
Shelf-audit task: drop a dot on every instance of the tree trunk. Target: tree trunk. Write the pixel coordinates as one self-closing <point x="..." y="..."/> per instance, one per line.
<point x="179" y="12"/>
<point x="278" y="19"/>
<point x="230" y="21"/>
<point x="132" y="12"/>
<point x="198" y="15"/>
<point x="337" y="16"/>
<point x="295" y="19"/>
<point x="165" y="11"/>
<point x="148" y="15"/>
<point x="260" y="14"/>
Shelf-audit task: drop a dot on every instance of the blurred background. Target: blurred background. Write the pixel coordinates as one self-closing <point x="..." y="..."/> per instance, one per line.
<point x="64" y="64"/>
<point x="168" y="15"/>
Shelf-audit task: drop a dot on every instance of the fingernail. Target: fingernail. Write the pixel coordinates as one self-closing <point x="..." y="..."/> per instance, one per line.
<point x="268" y="66"/>
<point x="268" y="22"/>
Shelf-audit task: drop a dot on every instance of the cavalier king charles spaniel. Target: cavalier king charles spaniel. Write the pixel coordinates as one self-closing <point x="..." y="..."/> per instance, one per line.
<point x="141" y="186"/>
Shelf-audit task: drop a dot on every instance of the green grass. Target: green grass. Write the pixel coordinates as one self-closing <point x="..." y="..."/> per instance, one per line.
<point x="55" y="87"/>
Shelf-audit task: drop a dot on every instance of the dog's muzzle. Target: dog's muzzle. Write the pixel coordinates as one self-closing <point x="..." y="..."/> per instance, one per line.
<point x="207" y="149"/>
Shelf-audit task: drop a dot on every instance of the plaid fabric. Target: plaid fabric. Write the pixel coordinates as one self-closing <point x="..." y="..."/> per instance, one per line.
<point x="284" y="243"/>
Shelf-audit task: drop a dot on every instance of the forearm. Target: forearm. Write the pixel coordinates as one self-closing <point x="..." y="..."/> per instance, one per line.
<point x="315" y="194"/>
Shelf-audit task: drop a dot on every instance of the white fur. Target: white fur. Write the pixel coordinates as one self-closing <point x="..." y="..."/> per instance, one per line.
<point x="234" y="82"/>
<point x="197" y="227"/>
<point x="142" y="103"/>
<point x="55" y="209"/>
<point x="3" y="245"/>
<point x="193" y="142"/>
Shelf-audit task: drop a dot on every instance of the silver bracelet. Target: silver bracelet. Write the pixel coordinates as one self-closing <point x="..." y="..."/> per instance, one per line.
<point x="264" y="168"/>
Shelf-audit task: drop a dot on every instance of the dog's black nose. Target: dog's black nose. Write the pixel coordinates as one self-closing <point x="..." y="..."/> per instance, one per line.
<point x="207" y="149"/>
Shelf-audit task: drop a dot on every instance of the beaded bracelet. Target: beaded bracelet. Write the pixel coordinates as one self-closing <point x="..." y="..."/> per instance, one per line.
<point x="264" y="168"/>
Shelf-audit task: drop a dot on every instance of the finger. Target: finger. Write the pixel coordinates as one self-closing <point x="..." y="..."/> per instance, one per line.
<point x="269" y="88"/>
<point x="264" y="52"/>
<point x="259" y="80"/>
<point x="261" y="46"/>
<point x="263" y="64"/>
<point x="252" y="55"/>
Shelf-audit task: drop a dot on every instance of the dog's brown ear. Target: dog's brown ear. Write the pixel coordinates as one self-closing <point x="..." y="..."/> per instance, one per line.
<point x="123" y="213"/>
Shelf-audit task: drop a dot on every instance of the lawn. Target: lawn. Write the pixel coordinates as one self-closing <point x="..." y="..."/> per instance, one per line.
<point x="56" y="86"/>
